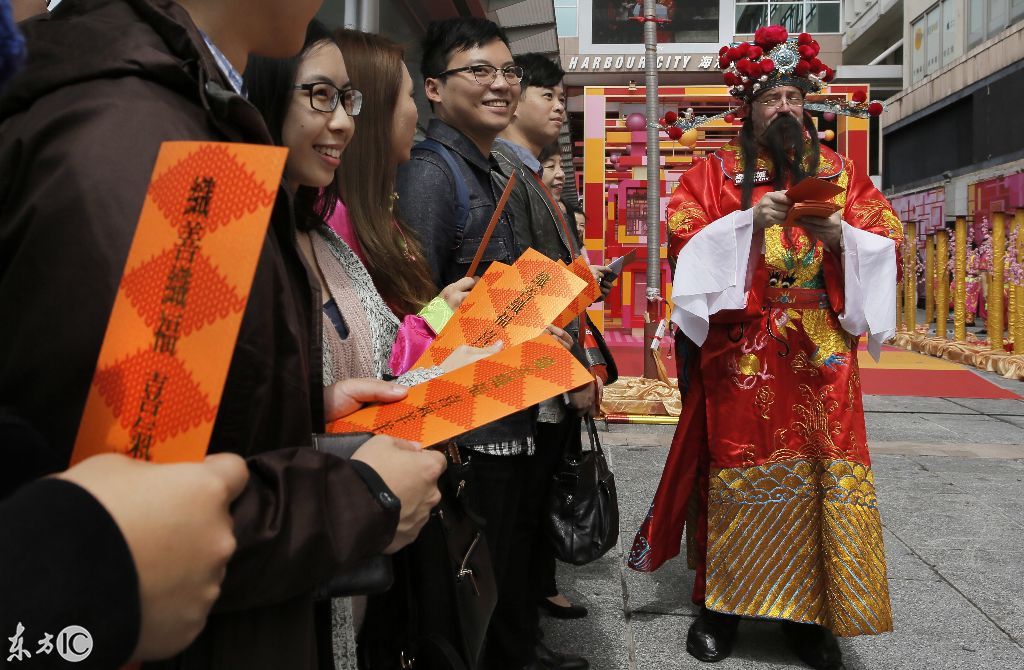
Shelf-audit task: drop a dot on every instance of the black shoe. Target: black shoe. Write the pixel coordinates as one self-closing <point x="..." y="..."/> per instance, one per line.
<point x="815" y="645"/>
<point x="548" y="658"/>
<point x="711" y="636"/>
<point x="559" y="612"/>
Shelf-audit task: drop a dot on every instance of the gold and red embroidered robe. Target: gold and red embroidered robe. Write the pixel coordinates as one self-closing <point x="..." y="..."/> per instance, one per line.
<point x="769" y="466"/>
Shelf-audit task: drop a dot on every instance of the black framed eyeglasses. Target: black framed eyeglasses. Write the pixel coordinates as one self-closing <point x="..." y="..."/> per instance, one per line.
<point x="324" y="97"/>
<point x="486" y="74"/>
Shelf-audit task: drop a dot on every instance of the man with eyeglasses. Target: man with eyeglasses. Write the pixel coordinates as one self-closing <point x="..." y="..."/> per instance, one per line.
<point x="473" y="86"/>
<point x="769" y="469"/>
<point x="107" y="81"/>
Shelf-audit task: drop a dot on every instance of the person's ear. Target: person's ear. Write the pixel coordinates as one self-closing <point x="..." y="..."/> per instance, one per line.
<point x="432" y="88"/>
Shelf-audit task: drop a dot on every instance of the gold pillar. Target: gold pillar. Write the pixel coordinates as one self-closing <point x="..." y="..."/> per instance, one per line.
<point x="960" y="270"/>
<point x="900" y="325"/>
<point x="1012" y="290"/>
<point x="995" y="289"/>
<point x="910" y="278"/>
<point x="929" y="278"/>
<point x="1018" y="335"/>
<point x="942" y="282"/>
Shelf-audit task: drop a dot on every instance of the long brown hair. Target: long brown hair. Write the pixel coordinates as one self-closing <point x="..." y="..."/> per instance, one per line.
<point x="366" y="177"/>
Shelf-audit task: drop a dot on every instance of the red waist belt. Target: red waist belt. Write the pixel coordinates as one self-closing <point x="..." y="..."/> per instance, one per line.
<point x="797" y="298"/>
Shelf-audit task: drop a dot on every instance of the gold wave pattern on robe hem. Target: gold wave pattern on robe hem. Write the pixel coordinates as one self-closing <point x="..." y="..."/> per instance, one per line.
<point x="800" y="540"/>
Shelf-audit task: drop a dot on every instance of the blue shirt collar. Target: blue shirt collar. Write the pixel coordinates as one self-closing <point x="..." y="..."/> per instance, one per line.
<point x="234" y="76"/>
<point x="523" y="154"/>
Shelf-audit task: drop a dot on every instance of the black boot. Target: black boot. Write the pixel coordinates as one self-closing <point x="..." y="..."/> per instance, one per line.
<point x="711" y="635"/>
<point x="815" y="645"/>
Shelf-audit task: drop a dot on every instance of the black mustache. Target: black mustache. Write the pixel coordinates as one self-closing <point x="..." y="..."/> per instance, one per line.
<point x="784" y="140"/>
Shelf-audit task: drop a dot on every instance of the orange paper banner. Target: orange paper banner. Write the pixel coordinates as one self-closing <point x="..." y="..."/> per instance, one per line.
<point x="473" y="395"/>
<point x="581" y="268"/>
<point x="514" y="306"/>
<point x="165" y="355"/>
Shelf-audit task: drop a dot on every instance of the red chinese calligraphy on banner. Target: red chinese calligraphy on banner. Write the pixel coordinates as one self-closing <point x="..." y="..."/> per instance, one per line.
<point x="165" y="354"/>
<point x="514" y="306"/>
<point x="473" y="395"/>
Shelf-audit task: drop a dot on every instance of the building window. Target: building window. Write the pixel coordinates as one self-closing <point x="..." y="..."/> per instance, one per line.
<point x="567" y="18"/>
<point x="933" y="37"/>
<point x="684" y="21"/>
<point x="813" y="16"/>
<point x="987" y="18"/>
<point x="1016" y="11"/>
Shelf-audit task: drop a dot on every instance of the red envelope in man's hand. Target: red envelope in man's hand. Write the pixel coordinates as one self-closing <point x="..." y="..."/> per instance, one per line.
<point x="812" y="197"/>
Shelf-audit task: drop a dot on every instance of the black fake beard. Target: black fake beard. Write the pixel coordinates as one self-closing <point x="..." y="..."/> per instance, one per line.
<point x="784" y="141"/>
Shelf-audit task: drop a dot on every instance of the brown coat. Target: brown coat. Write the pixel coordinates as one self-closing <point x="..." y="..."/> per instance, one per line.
<point x="107" y="82"/>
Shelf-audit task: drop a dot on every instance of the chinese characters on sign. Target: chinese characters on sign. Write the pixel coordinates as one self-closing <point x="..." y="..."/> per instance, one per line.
<point x="163" y="364"/>
<point x="516" y="306"/>
<point x="172" y="311"/>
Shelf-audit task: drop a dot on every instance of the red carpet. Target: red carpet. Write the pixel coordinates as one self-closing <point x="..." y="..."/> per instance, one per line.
<point x="931" y="383"/>
<point x="953" y="383"/>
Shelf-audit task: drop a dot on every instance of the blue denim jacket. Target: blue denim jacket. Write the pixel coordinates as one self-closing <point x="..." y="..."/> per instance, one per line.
<point x="426" y="202"/>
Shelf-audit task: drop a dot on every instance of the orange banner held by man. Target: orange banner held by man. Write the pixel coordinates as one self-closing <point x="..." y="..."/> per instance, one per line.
<point x="473" y="395"/>
<point x="514" y="307"/>
<point x="165" y="355"/>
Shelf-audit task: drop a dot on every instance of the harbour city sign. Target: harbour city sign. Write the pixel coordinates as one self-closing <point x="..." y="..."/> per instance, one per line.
<point x="671" y="62"/>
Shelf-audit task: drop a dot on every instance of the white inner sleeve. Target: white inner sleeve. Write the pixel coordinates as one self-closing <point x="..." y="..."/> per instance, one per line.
<point x="869" y="278"/>
<point x="711" y="273"/>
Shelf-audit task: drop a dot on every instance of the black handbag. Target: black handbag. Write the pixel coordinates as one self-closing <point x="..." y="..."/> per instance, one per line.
<point x="437" y="615"/>
<point x="375" y="574"/>
<point x="583" y="507"/>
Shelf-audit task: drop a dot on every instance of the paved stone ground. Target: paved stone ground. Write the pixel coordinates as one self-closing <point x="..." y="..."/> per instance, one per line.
<point x="950" y="480"/>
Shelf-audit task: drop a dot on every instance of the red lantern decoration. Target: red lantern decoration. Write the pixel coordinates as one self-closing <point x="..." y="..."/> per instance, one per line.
<point x="859" y="96"/>
<point x="875" y="108"/>
<point x="670" y="117"/>
<point x="675" y="132"/>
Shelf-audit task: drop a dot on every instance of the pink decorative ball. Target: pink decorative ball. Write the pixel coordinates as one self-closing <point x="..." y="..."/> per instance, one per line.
<point x="636" y="121"/>
<point x="829" y="116"/>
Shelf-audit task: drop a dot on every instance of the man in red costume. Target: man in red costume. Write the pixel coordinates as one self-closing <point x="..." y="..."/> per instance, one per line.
<point x="769" y="467"/>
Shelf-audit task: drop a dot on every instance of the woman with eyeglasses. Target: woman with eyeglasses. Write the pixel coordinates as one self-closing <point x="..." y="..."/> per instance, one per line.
<point x="310" y="106"/>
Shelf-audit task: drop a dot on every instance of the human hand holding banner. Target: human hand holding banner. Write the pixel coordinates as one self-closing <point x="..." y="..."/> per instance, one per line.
<point x="473" y="395"/>
<point x="165" y="355"/>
